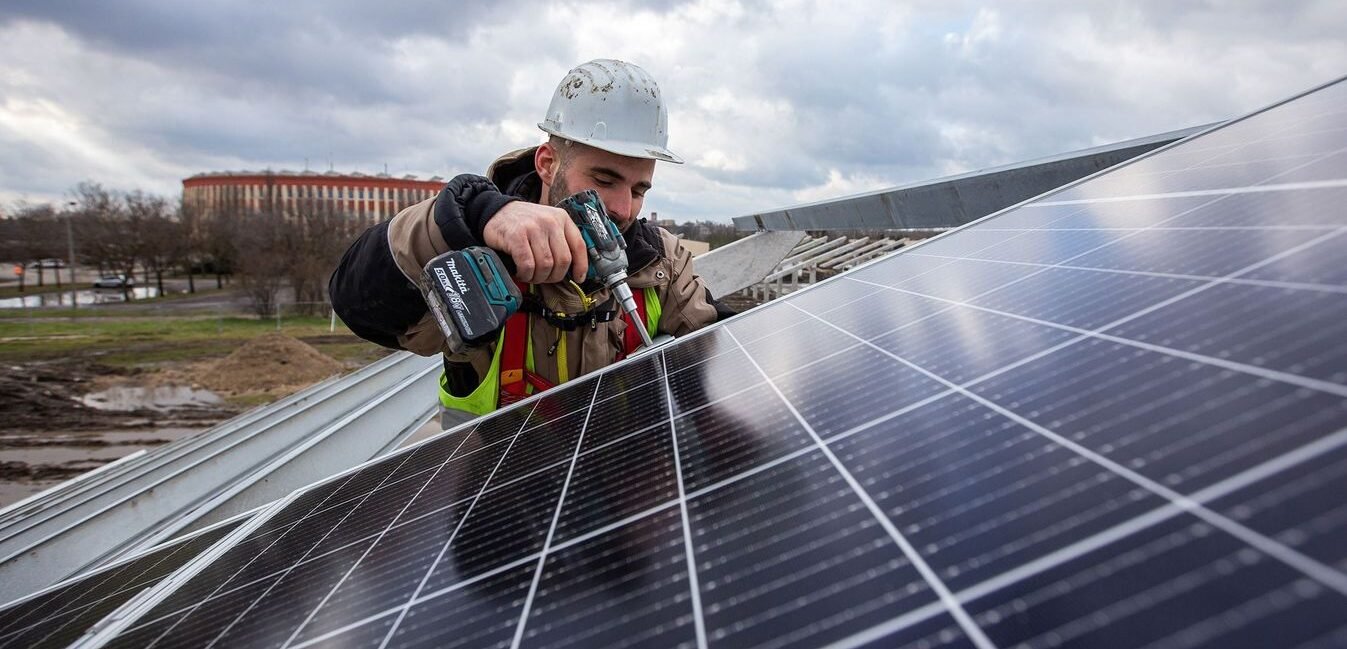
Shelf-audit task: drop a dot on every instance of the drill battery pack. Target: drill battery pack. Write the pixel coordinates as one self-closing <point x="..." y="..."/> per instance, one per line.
<point x="470" y="295"/>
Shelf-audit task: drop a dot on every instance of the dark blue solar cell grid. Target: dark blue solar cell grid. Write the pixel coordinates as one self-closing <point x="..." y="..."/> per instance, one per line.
<point x="882" y="312"/>
<point x="1179" y="583"/>
<point x="1132" y="214"/>
<point x="805" y="341"/>
<point x="624" y="414"/>
<point x="1194" y="252"/>
<point x="903" y="267"/>
<point x="741" y="433"/>
<point x="505" y="525"/>
<point x="482" y="614"/>
<point x="1313" y="207"/>
<point x="1083" y="298"/>
<point x="1333" y="167"/>
<point x="1031" y="216"/>
<point x="619" y="480"/>
<point x="716" y="379"/>
<point x="1288" y="330"/>
<point x="940" y="344"/>
<point x="771" y="549"/>
<point x="1047" y="246"/>
<point x="981" y="494"/>
<point x="1200" y="423"/>
<point x="698" y="349"/>
<point x="1319" y="264"/>
<point x="965" y="279"/>
<point x="1303" y="509"/>
<point x="268" y="621"/>
<point x="1033" y="466"/>
<point x="878" y="385"/>
<point x="1230" y="175"/>
<point x="390" y="571"/>
<point x="625" y="588"/>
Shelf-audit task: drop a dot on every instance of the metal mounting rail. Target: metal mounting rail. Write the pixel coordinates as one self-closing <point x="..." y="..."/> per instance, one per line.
<point x="198" y="448"/>
<point x="103" y="516"/>
<point x="96" y="480"/>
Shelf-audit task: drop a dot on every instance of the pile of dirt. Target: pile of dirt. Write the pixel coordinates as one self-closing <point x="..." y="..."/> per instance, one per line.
<point x="270" y="363"/>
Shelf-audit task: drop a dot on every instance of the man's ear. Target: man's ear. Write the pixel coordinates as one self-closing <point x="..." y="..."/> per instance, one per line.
<point x="545" y="163"/>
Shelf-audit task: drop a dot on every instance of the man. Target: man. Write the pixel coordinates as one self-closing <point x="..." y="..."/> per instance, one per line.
<point x="607" y="126"/>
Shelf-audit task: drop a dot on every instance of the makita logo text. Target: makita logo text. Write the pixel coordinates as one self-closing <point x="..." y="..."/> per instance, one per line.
<point x="458" y="279"/>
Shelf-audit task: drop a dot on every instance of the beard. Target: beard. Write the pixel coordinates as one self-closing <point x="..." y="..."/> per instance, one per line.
<point x="559" y="191"/>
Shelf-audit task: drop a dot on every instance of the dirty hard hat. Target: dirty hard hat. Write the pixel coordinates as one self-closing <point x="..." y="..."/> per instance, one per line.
<point x="611" y="105"/>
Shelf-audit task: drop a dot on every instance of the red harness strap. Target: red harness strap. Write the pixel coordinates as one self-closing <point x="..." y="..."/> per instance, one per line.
<point x="515" y="378"/>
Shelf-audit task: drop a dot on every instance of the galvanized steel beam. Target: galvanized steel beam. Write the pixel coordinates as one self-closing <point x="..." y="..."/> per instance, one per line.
<point x="954" y="200"/>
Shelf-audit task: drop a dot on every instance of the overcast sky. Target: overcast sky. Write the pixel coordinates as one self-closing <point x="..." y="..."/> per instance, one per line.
<point x="771" y="103"/>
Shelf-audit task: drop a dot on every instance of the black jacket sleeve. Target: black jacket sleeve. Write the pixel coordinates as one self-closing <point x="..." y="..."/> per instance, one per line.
<point x="463" y="208"/>
<point x="372" y="294"/>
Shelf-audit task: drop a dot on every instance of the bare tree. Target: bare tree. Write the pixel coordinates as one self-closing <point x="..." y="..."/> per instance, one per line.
<point x="34" y="236"/>
<point x="106" y="237"/>
<point x="318" y="236"/>
<point x="191" y="237"/>
<point x="263" y="241"/>
<point x="218" y="247"/>
<point x="153" y="233"/>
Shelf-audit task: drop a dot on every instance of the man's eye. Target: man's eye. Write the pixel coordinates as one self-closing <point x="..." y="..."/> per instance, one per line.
<point x="603" y="183"/>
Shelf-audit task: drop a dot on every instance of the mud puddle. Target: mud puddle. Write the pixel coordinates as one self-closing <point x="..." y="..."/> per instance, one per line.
<point x="162" y="398"/>
<point x="30" y="463"/>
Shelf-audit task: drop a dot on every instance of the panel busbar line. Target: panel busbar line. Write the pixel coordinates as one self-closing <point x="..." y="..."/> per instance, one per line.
<point x="1113" y="416"/>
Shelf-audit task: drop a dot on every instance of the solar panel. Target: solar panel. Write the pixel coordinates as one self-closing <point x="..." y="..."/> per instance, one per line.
<point x="61" y="614"/>
<point x="1114" y="417"/>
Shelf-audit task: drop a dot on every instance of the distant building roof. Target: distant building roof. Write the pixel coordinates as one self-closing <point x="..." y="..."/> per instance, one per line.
<point x="309" y="173"/>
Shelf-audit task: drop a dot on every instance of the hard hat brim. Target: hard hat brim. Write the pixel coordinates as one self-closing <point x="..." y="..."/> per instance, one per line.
<point x="620" y="147"/>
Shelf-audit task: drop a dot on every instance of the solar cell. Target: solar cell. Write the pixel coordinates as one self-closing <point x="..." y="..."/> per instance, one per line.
<point x="1114" y="417"/>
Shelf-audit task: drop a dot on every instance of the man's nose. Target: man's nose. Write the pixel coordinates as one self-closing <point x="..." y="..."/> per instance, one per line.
<point x="619" y="207"/>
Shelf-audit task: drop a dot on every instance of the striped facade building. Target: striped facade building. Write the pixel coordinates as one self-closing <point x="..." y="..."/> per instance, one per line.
<point x="368" y="198"/>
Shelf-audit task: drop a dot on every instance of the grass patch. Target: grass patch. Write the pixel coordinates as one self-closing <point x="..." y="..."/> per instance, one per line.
<point x="138" y="341"/>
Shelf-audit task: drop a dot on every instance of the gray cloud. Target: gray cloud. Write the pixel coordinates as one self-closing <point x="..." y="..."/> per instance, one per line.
<point x="770" y="104"/>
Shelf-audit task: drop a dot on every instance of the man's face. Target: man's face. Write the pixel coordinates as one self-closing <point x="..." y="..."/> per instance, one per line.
<point x="620" y="181"/>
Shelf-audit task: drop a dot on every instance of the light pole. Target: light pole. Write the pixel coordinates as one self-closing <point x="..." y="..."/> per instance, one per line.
<point x="70" y="243"/>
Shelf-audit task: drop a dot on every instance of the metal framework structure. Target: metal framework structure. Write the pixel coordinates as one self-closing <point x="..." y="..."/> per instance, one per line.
<point x="815" y="256"/>
<point x="243" y="463"/>
<point x="955" y="200"/>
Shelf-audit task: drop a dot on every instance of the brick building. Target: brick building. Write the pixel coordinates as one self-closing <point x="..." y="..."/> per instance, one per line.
<point x="369" y="198"/>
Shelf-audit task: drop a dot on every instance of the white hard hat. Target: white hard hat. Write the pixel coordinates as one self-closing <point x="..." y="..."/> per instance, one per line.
<point x="614" y="106"/>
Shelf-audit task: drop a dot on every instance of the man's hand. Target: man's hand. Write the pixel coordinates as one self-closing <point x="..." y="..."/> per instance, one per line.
<point x="541" y="240"/>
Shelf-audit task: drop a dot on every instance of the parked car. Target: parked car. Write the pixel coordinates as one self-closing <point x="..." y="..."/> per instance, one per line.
<point x="114" y="281"/>
<point x="49" y="263"/>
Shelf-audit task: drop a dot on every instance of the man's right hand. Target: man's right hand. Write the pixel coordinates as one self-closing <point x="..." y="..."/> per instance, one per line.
<point x="541" y="240"/>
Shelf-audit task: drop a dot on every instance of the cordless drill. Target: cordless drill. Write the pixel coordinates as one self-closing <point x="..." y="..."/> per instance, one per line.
<point x="607" y="251"/>
<point x="470" y="295"/>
